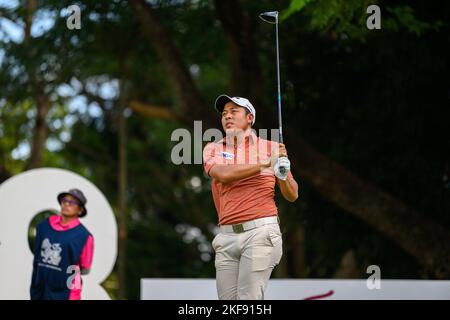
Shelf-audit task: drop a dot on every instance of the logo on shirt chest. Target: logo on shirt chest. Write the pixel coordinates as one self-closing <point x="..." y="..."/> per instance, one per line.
<point x="227" y="155"/>
<point x="51" y="253"/>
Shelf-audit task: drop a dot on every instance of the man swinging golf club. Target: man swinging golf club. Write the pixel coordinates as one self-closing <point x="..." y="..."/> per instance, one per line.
<point x="244" y="169"/>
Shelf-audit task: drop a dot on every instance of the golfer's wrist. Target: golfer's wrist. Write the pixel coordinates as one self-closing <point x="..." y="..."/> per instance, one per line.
<point x="264" y="165"/>
<point x="288" y="180"/>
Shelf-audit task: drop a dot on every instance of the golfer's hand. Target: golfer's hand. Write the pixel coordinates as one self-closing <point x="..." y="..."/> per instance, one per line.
<point x="282" y="168"/>
<point x="282" y="152"/>
<point x="278" y="152"/>
<point x="275" y="154"/>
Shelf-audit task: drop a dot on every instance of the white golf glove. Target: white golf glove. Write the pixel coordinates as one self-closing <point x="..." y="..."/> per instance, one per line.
<point x="282" y="167"/>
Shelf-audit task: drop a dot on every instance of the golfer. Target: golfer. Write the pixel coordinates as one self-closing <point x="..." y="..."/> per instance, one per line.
<point x="63" y="249"/>
<point x="244" y="169"/>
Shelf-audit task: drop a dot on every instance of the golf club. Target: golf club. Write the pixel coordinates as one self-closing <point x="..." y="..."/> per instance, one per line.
<point x="272" y="18"/>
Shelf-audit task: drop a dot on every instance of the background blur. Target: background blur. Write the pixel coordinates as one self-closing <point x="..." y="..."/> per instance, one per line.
<point x="366" y="121"/>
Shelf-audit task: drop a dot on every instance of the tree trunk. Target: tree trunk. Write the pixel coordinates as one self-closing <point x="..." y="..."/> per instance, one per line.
<point x="39" y="133"/>
<point x="423" y="239"/>
<point x="31" y="7"/>
<point x="42" y="101"/>
<point x="122" y="174"/>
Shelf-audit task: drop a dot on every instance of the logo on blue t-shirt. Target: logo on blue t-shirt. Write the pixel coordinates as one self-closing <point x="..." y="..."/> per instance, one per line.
<point x="50" y="253"/>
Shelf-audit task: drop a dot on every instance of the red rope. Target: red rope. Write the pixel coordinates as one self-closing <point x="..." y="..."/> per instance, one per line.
<point x="329" y="293"/>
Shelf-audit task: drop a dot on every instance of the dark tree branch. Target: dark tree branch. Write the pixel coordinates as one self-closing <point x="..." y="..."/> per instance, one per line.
<point x="186" y="91"/>
<point x="246" y="77"/>
<point x="156" y="112"/>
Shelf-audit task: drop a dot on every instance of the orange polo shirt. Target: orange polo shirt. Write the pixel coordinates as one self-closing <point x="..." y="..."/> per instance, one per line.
<point x="248" y="198"/>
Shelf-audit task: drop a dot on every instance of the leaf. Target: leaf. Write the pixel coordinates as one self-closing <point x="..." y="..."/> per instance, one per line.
<point x="295" y="6"/>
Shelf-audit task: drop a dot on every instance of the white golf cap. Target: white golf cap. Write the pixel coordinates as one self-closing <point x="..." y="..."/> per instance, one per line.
<point x="222" y="100"/>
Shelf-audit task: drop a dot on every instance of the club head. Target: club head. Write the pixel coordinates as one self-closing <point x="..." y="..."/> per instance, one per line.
<point x="270" y="17"/>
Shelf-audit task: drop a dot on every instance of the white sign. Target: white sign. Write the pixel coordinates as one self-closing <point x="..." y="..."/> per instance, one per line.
<point x="294" y="289"/>
<point x="25" y="195"/>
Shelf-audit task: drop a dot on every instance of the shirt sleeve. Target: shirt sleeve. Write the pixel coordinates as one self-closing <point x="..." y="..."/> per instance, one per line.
<point x="210" y="157"/>
<point x="87" y="254"/>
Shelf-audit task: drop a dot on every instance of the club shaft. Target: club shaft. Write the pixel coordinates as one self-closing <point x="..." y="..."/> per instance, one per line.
<point x="279" y="86"/>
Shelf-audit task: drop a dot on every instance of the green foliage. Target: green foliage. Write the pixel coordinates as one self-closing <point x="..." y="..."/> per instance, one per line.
<point x="403" y="17"/>
<point x="295" y="6"/>
<point x="349" y="17"/>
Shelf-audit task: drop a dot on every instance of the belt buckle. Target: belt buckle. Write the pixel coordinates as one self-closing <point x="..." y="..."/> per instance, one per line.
<point x="238" y="228"/>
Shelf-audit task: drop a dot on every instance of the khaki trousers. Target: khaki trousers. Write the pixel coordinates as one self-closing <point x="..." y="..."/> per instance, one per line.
<point x="244" y="261"/>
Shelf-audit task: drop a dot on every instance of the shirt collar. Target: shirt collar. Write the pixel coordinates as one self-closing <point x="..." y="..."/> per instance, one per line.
<point x="56" y="223"/>
<point x="251" y="137"/>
